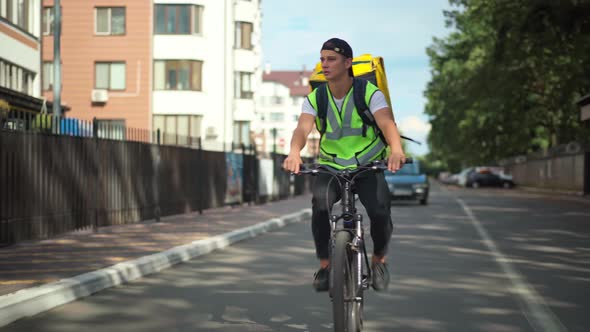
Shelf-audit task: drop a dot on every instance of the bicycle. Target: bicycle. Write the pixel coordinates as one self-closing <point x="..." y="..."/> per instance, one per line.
<point x="348" y="255"/>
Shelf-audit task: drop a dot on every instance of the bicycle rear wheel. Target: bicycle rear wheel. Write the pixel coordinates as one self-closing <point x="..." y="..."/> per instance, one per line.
<point x="345" y="308"/>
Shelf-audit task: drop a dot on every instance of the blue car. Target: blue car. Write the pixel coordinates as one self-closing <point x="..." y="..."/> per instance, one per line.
<point x="408" y="183"/>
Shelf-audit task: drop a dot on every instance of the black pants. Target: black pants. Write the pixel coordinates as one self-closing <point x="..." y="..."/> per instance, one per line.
<point x="373" y="194"/>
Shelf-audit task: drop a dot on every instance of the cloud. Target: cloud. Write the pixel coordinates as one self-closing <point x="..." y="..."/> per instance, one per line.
<point x="417" y="129"/>
<point x="415" y="124"/>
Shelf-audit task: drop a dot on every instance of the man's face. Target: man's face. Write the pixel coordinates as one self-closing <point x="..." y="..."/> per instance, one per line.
<point x="334" y="65"/>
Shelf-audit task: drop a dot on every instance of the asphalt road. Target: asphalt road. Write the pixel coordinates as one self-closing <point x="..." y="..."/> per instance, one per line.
<point x="471" y="260"/>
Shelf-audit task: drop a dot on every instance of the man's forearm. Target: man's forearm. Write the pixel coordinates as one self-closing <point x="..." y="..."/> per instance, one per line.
<point x="298" y="141"/>
<point x="392" y="136"/>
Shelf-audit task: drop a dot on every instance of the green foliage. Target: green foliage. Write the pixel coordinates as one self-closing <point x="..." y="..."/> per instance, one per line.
<point x="506" y="80"/>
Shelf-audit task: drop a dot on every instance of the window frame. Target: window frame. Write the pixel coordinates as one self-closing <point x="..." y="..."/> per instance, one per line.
<point x="48" y="13"/>
<point x="47" y="78"/>
<point x="238" y="34"/>
<point x="194" y="122"/>
<point x="176" y="66"/>
<point x="15" y="77"/>
<point x="8" y="15"/>
<point x="193" y="11"/>
<point x="238" y="81"/>
<point x="109" y="75"/>
<point x="110" y="21"/>
<point x="22" y="14"/>
<point x="242" y="129"/>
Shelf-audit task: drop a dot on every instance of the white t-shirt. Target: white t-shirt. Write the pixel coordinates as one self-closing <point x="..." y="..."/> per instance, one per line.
<point x="377" y="102"/>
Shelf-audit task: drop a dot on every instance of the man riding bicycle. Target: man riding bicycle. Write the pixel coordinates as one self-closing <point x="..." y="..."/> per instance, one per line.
<point x="347" y="143"/>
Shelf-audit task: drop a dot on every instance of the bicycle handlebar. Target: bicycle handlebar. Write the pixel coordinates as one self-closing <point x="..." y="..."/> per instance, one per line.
<point x="377" y="165"/>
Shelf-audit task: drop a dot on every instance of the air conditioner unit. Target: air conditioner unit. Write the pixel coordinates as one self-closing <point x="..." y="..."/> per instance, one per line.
<point x="211" y="132"/>
<point x="100" y="96"/>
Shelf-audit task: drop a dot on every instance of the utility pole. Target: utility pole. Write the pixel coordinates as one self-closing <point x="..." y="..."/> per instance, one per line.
<point x="57" y="59"/>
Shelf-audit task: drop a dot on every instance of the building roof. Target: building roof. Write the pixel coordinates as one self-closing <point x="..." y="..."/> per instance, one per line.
<point x="295" y="80"/>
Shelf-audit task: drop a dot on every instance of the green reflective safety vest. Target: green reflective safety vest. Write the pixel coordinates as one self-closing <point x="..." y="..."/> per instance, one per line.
<point x="344" y="145"/>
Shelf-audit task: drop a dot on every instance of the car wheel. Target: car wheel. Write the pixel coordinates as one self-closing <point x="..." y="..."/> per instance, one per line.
<point x="475" y="185"/>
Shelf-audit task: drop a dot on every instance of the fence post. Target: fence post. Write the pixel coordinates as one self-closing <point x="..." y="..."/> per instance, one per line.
<point x="244" y="191"/>
<point x="256" y="173"/>
<point x="587" y="172"/>
<point x="158" y="162"/>
<point x="276" y="188"/>
<point x="97" y="195"/>
<point x="201" y="163"/>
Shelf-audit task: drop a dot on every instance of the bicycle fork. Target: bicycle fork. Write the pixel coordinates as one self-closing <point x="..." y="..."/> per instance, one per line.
<point x="358" y="246"/>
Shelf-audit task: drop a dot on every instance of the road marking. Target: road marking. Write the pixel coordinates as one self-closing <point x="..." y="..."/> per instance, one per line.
<point x="536" y="311"/>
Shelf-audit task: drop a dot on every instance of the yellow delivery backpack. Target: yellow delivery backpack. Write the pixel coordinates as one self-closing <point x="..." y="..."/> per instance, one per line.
<point x="365" y="66"/>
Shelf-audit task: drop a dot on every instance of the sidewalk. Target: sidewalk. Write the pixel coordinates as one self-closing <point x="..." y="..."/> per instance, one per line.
<point x="27" y="265"/>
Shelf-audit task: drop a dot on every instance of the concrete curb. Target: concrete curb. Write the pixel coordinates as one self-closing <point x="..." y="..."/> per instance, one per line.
<point x="32" y="301"/>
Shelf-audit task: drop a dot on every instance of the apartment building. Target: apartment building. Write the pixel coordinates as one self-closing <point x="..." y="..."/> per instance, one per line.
<point x="279" y="103"/>
<point x="20" y="55"/>
<point x="218" y="58"/>
<point x="186" y="67"/>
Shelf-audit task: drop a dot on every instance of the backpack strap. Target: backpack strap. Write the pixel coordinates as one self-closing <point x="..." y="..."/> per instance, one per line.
<point x="321" y="97"/>
<point x="360" y="89"/>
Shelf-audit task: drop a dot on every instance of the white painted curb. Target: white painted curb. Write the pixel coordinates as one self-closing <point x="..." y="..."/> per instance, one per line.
<point x="32" y="301"/>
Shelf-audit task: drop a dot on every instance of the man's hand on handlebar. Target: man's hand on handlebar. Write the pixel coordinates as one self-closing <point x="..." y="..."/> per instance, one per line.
<point x="395" y="161"/>
<point x="292" y="163"/>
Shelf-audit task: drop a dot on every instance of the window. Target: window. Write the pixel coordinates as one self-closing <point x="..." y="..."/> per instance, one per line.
<point x="22" y="14"/>
<point x="47" y="75"/>
<point x="109" y="75"/>
<point x="27" y="82"/>
<point x="244" y="35"/>
<point x="243" y="85"/>
<point x="176" y="129"/>
<point x="111" y="129"/>
<point x="110" y="21"/>
<point x="277" y="100"/>
<point x="178" y="19"/>
<point x="48" y="21"/>
<point x="8" y="10"/>
<point x="242" y="132"/>
<point x="197" y="19"/>
<point x="178" y="75"/>
<point x="16" y="78"/>
<point x="277" y="117"/>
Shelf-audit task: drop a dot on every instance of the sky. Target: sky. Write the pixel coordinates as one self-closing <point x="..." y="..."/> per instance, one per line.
<point x="397" y="30"/>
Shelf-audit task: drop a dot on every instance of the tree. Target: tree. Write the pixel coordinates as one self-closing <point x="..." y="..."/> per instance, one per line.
<point x="506" y="80"/>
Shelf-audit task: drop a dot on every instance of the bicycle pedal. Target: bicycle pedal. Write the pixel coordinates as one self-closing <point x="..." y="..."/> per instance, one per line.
<point x="366" y="283"/>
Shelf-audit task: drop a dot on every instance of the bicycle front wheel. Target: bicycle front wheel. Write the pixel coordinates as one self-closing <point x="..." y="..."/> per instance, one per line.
<point x="343" y="285"/>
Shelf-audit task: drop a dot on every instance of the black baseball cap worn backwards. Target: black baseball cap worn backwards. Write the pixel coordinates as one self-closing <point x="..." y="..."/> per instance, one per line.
<point x="341" y="47"/>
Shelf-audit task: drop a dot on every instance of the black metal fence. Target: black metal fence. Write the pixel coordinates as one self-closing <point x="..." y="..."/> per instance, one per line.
<point x="56" y="179"/>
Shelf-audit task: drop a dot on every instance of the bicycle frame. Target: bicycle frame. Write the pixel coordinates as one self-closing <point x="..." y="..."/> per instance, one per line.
<point x="353" y="223"/>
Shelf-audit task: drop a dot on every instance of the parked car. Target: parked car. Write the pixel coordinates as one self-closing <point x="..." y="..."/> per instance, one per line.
<point x="486" y="178"/>
<point x="448" y="178"/>
<point x="408" y="183"/>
